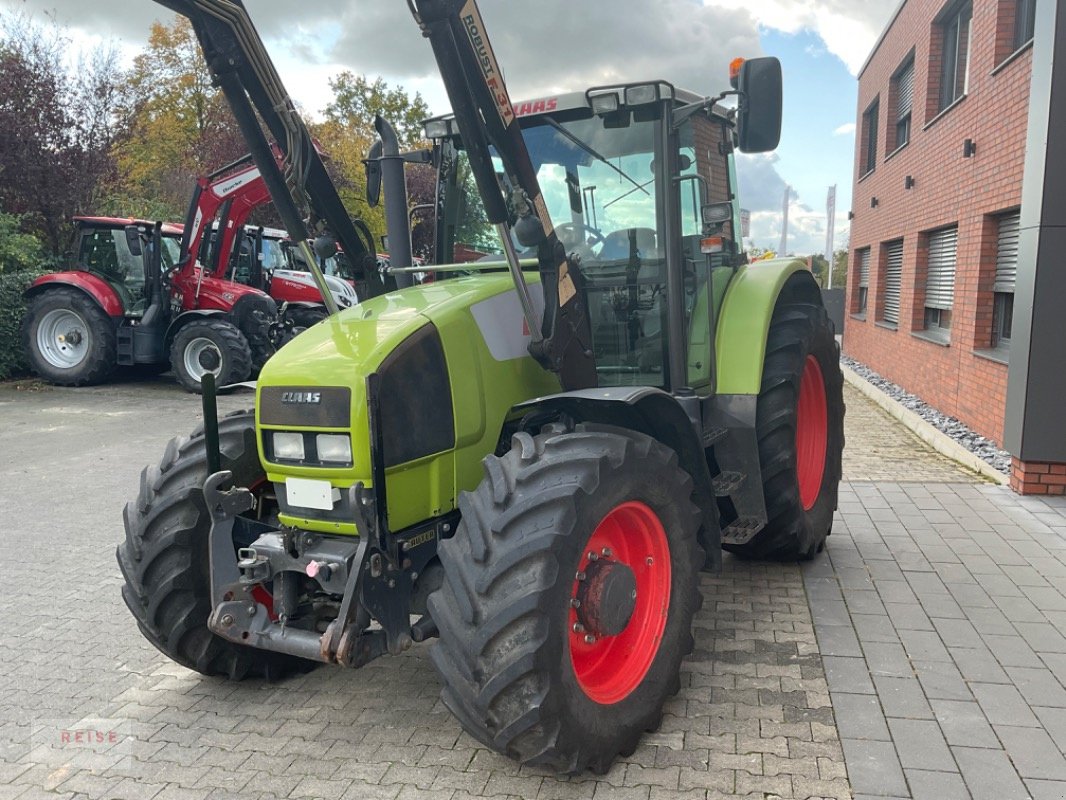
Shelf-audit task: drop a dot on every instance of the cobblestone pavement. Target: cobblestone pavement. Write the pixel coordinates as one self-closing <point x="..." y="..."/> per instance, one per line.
<point x="879" y="448"/>
<point x="941" y="621"/>
<point x="753" y="718"/>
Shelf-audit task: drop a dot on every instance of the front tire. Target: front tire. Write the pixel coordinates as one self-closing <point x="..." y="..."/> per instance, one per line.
<point x="69" y="338"/>
<point x="210" y="345"/>
<point x="800" y="429"/>
<point x="516" y="667"/>
<point x="164" y="559"/>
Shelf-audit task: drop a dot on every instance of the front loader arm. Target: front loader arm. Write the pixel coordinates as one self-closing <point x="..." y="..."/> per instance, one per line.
<point x="562" y="340"/>
<point x="239" y="63"/>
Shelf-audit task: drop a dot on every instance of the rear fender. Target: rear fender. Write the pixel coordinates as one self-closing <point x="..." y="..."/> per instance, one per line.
<point x="744" y="321"/>
<point x="93" y="286"/>
<point x="649" y="411"/>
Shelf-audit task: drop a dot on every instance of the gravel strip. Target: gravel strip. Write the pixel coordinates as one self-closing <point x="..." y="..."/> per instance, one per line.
<point x="983" y="448"/>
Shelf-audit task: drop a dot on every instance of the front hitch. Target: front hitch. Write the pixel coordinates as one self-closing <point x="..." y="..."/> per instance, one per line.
<point x="371" y="586"/>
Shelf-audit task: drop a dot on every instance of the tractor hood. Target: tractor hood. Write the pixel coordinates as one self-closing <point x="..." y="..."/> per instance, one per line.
<point x="452" y="360"/>
<point x="345" y="348"/>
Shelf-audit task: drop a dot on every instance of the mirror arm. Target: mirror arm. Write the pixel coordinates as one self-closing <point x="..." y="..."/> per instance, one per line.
<point x="706" y="104"/>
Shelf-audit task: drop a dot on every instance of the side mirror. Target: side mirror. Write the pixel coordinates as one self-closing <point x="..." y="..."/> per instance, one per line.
<point x="133" y="241"/>
<point x="373" y="174"/>
<point x="759" y="112"/>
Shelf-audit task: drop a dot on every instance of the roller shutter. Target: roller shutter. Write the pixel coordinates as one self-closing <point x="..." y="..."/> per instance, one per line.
<point x="940" y="282"/>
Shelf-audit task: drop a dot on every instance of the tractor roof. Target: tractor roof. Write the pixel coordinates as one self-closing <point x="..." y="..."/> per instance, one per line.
<point x="169" y="228"/>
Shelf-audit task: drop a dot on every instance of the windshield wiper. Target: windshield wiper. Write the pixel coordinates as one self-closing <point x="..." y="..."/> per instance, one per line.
<point x="593" y="153"/>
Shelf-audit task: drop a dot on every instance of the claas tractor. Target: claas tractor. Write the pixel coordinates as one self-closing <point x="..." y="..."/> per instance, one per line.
<point x="530" y="461"/>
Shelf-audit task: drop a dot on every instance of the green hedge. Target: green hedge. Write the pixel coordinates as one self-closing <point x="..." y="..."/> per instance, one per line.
<point x="12" y="308"/>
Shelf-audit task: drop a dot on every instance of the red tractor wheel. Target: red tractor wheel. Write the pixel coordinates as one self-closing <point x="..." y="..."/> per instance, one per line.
<point x="800" y="427"/>
<point x="570" y="587"/>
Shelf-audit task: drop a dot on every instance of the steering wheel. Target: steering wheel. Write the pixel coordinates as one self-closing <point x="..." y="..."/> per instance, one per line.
<point x="569" y="232"/>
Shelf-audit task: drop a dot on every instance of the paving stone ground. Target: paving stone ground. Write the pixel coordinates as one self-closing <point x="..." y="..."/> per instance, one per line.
<point x="767" y="708"/>
<point x="940" y="613"/>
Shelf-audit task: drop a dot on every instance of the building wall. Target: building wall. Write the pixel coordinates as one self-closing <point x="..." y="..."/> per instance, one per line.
<point x="960" y="378"/>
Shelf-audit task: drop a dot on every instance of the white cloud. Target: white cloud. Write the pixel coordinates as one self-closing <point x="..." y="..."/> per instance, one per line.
<point x="849" y="29"/>
<point x="846" y="129"/>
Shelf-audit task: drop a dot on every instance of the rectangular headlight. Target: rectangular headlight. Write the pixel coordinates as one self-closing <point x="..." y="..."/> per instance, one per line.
<point x="436" y="129"/>
<point x="335" y="448"/>
<point x="641" y="95"/>
<point x="604" y="103"/>
<point x="289" y="446"/>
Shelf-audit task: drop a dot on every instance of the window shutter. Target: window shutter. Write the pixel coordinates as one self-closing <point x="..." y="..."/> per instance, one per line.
<point x="940" y="283"/>
<point x="864" y="268"/>
<point x="1007" y="252"/>
<point x="893" y="281"/>
<point x="904" y="92"/>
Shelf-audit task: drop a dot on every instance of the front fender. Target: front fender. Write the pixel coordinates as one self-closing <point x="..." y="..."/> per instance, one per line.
<point x="184" y="318"/>
<point x="744" y="321"/>
<point x="657" y="414"/>
<point x="95" y="287"/>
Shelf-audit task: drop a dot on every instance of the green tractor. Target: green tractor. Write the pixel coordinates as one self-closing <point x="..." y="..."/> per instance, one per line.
<point x="530" y="459"/>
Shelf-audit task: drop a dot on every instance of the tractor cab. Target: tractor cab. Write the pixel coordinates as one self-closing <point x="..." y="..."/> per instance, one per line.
<point x="103" y="250"/>
<point x="641" y="193"/>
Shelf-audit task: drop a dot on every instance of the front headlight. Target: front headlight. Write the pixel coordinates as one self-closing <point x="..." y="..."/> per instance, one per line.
<point x="335" y="448"/>
<point x="289" y="446"/>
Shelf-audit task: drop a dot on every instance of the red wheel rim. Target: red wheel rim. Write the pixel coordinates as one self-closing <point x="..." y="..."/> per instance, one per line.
<point x="812" y="428"/>
<point x="609" y="668"/>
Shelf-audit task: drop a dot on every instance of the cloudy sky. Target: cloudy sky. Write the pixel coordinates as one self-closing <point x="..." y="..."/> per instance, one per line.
<point x="557" y="45"/>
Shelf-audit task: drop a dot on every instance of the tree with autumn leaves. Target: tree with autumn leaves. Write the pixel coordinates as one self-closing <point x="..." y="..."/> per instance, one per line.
<point x="93" y="138"/>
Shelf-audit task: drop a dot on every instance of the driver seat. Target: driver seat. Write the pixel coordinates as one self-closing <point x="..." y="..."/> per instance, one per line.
<point x="616" y="244"/>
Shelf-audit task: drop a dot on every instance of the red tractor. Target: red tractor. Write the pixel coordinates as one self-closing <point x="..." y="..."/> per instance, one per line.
<point x="260" y="257"/>
<point x="133" y="296"/>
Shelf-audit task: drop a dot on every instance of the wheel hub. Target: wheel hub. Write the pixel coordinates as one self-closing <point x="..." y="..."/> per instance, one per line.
<point x="209" y="359"/>
<point x="71" y="337"/>
<point x="606" y="598"/>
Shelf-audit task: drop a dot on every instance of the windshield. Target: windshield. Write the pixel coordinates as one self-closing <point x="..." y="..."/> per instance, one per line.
<point x="599" y="187"/>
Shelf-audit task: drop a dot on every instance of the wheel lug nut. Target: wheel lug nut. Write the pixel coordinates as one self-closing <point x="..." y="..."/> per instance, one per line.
<point x="634" y="595"/>
<point x="251" y="610"/>
<point x="578" y="628"/>
<point x="227" y="619"/>
<point x="606" y="552"/>
<point x="579" y="576"/>
<point x="590" y="639"/>
<point x="593" y="556"/>
<point x="575" y="603"/>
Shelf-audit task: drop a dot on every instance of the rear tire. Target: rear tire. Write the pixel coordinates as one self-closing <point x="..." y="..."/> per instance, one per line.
<point x="800" y="429"/>
<point x="304" y="317"/>
<point x="514" y="671"/>
<point x="69" y="339"/>
<point x="210" y="345"/>
<point x="164" y="559"/>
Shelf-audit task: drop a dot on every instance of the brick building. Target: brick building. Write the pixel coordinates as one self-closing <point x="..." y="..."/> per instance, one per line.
<point x="943" y="127"/>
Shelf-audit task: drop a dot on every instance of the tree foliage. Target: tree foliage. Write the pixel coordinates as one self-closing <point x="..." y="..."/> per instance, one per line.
<point x="57" y="127"/>
<point x="178" y="126"/>
<point x="356" y="100"/>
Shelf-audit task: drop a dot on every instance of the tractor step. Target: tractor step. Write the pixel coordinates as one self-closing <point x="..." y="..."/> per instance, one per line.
<point x="741" y="530"/>
<point x="124" y="344"/>
<point x="725" y="483"/>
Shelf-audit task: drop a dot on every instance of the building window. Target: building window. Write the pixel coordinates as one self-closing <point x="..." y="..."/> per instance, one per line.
<point x="1006" y="270"/>
<point x="869" y="138"/>
<point x="1024" y="22"/>
<point x="954" y="54"/>
<point x="862" y="295"/>
<point x="904" y="82"/>
<point x="893" y="282"/>
<point x="940" y="280"/>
